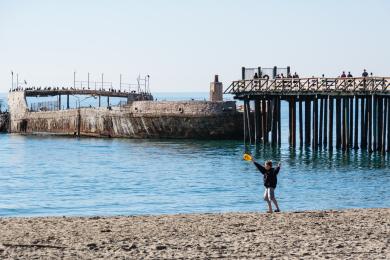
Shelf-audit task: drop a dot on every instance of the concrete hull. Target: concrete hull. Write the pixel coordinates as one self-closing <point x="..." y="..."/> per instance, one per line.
<point x="4" y="120"/>
<point x="141" y="119"/>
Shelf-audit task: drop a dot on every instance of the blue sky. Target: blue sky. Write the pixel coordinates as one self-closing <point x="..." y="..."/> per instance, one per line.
<point x="182" y="44"/>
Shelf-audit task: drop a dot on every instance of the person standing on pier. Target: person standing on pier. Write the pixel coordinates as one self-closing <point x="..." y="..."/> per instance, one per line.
<point x="365" y="73"/>
<point x="270" y="181"/>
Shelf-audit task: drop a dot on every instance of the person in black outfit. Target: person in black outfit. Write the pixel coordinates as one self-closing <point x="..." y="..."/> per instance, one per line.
<point x="365" y="73"/>
<point x="270" y="181"/>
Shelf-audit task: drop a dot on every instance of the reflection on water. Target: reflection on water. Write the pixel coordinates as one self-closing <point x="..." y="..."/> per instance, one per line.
<point x="70" y="176"/>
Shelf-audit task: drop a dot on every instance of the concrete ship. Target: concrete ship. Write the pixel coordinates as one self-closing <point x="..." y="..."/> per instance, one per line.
<point x="214" y="119"/>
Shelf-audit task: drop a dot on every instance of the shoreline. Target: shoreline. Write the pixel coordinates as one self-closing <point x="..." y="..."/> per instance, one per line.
<point x="352" y="233"/>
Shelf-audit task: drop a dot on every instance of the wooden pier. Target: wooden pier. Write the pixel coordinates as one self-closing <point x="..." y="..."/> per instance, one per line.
<point x="348" y="113"/>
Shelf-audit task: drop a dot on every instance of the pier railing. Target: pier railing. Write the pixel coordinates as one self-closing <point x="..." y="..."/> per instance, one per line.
<point x="291" y="86"/>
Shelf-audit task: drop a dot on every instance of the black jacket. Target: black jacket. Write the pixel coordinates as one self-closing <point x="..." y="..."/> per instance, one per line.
<point x="270" y="176"/>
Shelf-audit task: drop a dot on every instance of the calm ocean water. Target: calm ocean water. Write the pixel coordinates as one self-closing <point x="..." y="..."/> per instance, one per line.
<point x="43" y="175"/>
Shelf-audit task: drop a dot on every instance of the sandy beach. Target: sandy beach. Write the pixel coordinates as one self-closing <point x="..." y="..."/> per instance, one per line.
<point x="350" y="234"/>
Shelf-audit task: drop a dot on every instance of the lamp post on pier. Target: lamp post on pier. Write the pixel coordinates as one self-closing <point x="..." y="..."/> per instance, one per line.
<point x="120" y="82"/>
<point x="102" y="80"/>
<point x="12" y="76"/>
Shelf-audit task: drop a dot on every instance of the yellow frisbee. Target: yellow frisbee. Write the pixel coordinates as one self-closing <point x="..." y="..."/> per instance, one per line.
<point x="247" y="157"/>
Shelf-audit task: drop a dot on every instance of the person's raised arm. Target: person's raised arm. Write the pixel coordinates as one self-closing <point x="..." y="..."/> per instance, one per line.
<point x="277" y="169"/>
<point x="259" y="166"/>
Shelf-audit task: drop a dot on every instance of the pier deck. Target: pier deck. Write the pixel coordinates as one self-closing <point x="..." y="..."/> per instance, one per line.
<point x="56" y="92"/>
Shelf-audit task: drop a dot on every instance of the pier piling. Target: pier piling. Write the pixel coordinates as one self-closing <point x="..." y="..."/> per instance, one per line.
<point x="307" y="120"/>
<point x="330" y="130"/>
<point x="315" y="123"/>
<point x="338" y="123"/>
<point x="321" y="122"/>
<point x="383" y="145"/>
<point x="300" y="121"/>
<point x="325" y="141"/>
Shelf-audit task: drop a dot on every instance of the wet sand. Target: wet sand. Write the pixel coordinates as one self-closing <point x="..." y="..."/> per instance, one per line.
<point x="350" y="234"/>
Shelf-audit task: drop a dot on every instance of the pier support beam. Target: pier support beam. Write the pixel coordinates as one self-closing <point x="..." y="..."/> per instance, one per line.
<point x="369" y="113"/>
<point x="380" y="123"/>
<point x="321" y="129"/>
<point x="290" y="121"/>
<point x="338" y="123"/>
<point x="300" y="122"/>
<point x="356" y="134"/>
<point x="345" y="115"/>
<point x="59" y="102"/>
<point x="248" y="120"/>
<point x="244" y="122"/>
<point x="294" y="122"/>
<point x="330" y="133"/>
<point x="274" y="111"/>
<point x="350" y="134"/>
<point x="257" y="121"/>
<point x="384" y="126"/>
<point x="325" y="142"/>
<point x="366" y="120"/>
<point x="279" y="122"/>
<point x="307" y="120"/>
<point x="315" y="123"/>
<point x="363" y="123"/>
<point x="264" y="121"/>
<point x="67" y="101"/>
<point x="375" y="122"/>
<point x="388" y="125"/>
